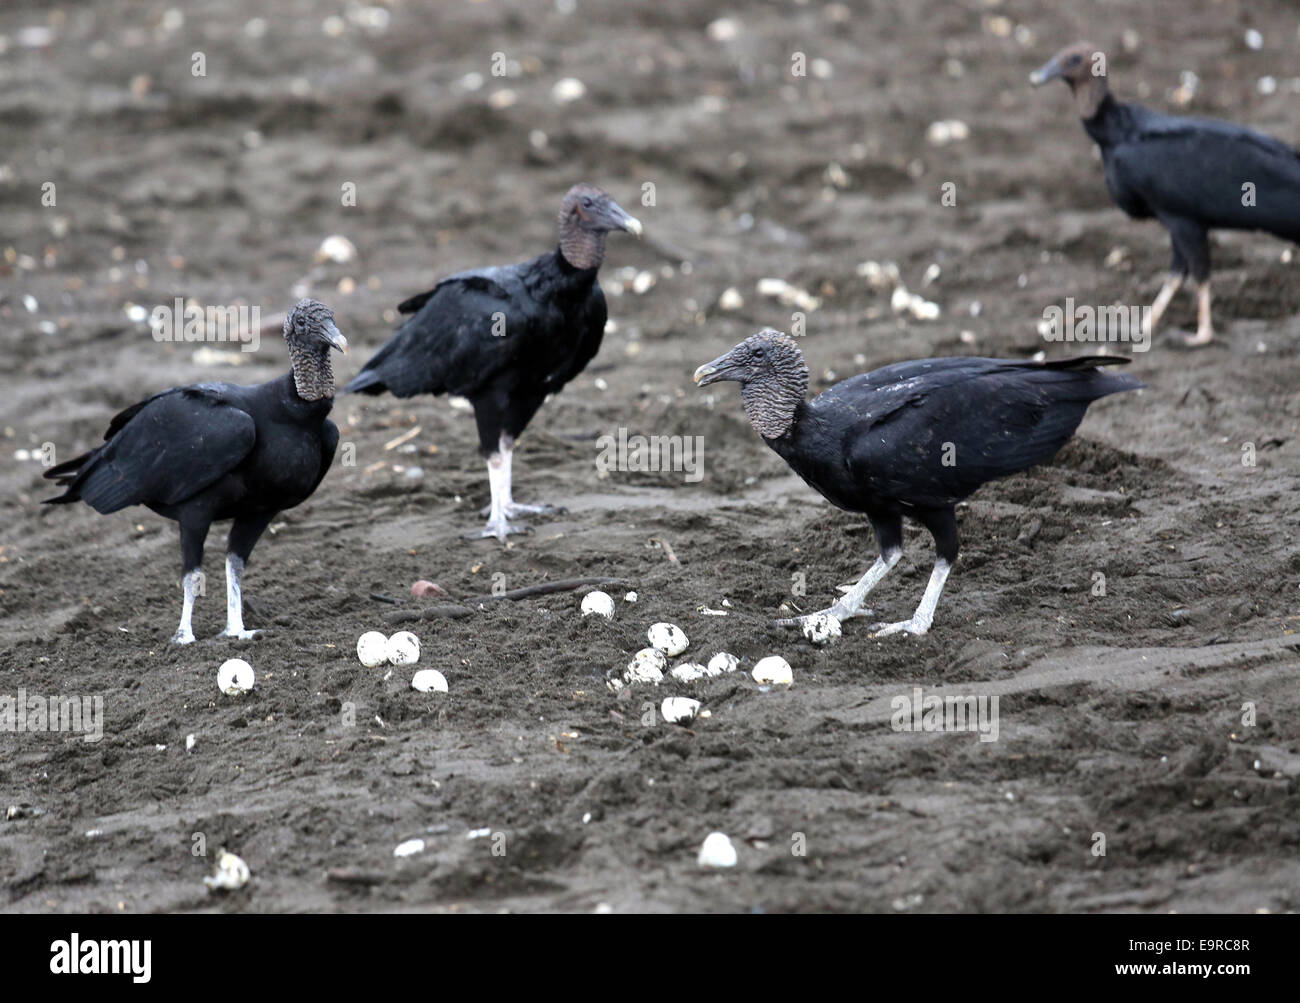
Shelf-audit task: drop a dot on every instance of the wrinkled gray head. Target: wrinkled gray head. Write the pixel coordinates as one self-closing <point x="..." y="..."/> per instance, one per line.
<point x="310" y="332"/>
<point x="311" y="322"/>
<point x="773" y="379"/>
<point x="586" y="215"/>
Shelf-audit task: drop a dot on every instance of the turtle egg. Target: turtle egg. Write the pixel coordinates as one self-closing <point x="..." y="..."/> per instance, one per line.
<point x="688" y="672"/>
<point x="235" y="677"/>
<point x="599" y="603"/>
<point x="403" y="648"/>
<point x="722" y="662"/>
<point x="717" y="851"/>
<point x="679" y="710"/>
<point x="647" y="666"/>
<point x="822" y="628"/>
<point x="773" y="669"/>
<point x="668" y="638"/>
<point x="231" y="874"/>
<point x="429" y="681"/>
<point x="372" y="649"/>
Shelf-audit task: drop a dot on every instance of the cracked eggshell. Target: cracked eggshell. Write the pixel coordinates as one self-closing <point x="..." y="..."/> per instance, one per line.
<point x="647" y="666"/>
<point x="372" y="649"/>
<point x="600" y="603"/>
<point x="235" y="677"/>
<point x="822" y="628"/>
<point x="679" y="710"/>
<point x="429" y="681"/>
<point x="403" y="648"/>
<point x="722" y="662"/>
<point x="688" y="672"/>
<point x="668" y="638"/>
<point x="231" y="874"/>
<point x="773" y="669"/>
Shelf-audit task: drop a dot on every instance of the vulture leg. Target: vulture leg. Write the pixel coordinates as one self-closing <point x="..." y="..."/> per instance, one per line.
<point x="512" y="508"/>
<point x="889" y="534"/>
<point x="1204" y="325"/>
<point x="193" y="533"/>
<point x="1177" y="276"/>
<point x="942" y="525"/>
<point x="499" y="524"/>
<point x="1172" y="284"/>
<point x="244" y="534"/>
<point x="1192" y="245"/>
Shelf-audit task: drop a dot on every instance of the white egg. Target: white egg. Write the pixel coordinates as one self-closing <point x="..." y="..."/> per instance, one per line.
<point x="679" y="710"/>
<point x="647" y="666"/>
<point x="822" y="628"/>
<point x="372" y="649"/>
<point x="722" y="662"/>
<point x="235" y="677"/>
<point x="773" y="669"/>
<point x="688" y="672"/>
<point x="232" y="873"/>
<point x="668" y="638"/>
<point x="403" y="648"/>
<point x="630" y="597"/>
<point x="429" y="681"/>
<point x="717" y="851"/>
<point x="599" y="603"/>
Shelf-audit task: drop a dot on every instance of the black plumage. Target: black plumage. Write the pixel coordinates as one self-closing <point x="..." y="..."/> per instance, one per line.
<point x="200" y="454"/>
<point x="1193" y="175"/>
<point x="505" y="338"/>
<point x="910" y="439"/>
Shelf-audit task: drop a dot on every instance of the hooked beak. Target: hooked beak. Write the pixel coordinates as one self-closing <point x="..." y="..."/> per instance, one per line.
<point x="716" y="371"/>
<point x="622" y="221"/>
<point x="334" y="337"/>
<point x="1050" y="70"/>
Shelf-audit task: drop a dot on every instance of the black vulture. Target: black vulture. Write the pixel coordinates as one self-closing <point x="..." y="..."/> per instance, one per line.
<point x="1191" y="174"/>
<point x="914" y="438"/>
<point x="505" y="338"/>
<point x="214" y="451"/>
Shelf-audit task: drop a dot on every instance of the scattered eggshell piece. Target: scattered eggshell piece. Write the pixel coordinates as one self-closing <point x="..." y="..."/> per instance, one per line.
<point x="822" y="628"/>
<point x="403" y="648"/>
<point x="717" y="851"/>
<point x="372" y="649"/>
<point x="668" y="638"/>
<point x="235" y="677"/>
<point x="231" y="874"/>
<point x="429" y="681"/>
<point x="679" y="710"/>
<point x="773" y="669"/>
<point x="599" y="603"/>
<point x="409" y="848"/>
<point x="722" y="662"/>
<point x="647" y="666"/>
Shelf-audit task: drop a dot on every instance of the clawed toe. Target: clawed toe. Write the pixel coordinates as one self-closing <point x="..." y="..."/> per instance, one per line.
<point x="239" y="635"/>
<point x="183" y="637"/>
<point x="902" y="627"/>
<point x="500" y="530"/>
<point x="839" y="612"/>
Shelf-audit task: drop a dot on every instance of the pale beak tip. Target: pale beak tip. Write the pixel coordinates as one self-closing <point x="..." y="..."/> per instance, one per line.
<point x="633" y="226"/>
<point x="1037" y="78"/>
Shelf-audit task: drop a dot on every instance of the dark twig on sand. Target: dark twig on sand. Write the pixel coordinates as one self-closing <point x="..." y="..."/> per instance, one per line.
<point x="465" y="608"/>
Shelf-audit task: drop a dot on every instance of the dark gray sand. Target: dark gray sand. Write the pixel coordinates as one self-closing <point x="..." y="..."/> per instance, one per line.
<point x="1120" y="714"/>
